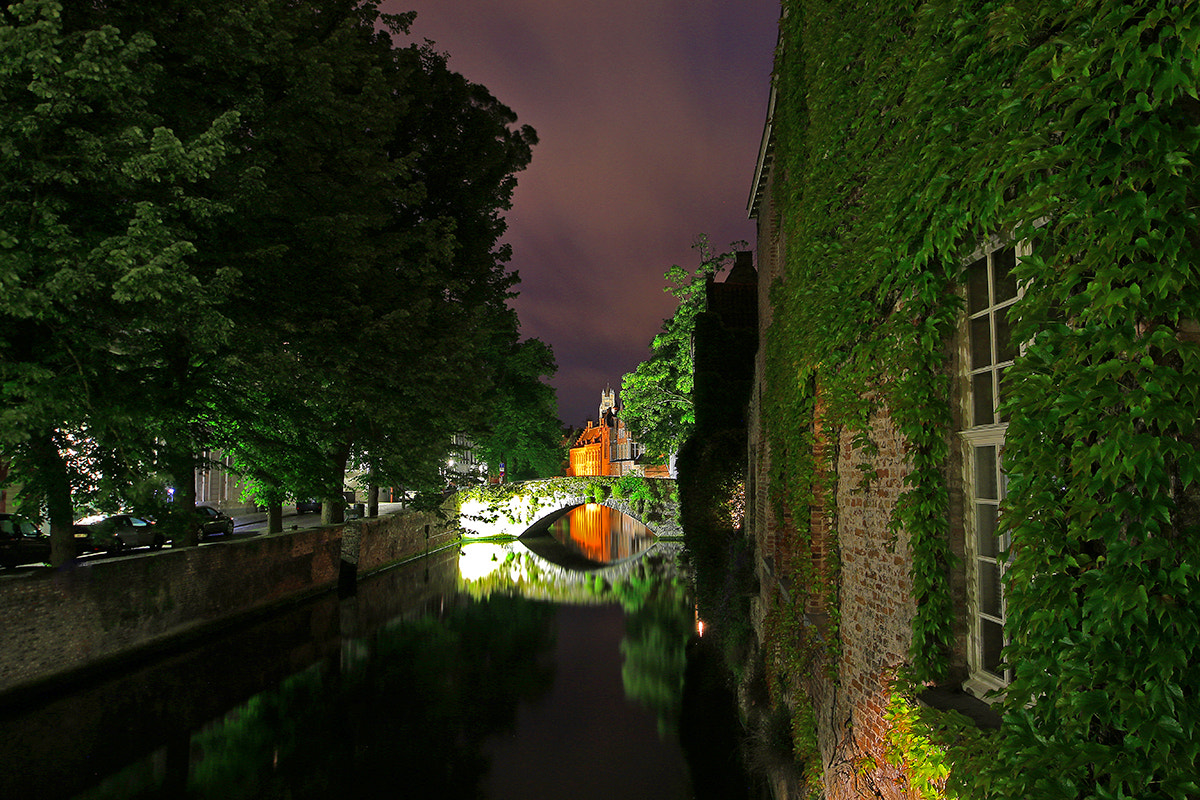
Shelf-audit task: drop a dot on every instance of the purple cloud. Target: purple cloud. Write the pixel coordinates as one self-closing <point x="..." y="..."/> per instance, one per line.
<point x="649" y="116"/>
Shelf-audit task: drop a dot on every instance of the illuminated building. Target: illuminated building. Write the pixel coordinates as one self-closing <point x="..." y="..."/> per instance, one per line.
<point x="607" y="448"/>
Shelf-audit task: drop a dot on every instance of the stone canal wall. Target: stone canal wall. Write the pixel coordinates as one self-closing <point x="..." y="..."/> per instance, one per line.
<point x="373" y="544"/>
<point x="91" y="612"/>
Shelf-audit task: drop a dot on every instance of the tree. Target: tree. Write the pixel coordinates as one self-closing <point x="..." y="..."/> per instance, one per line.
<point x="94" y="206"/>
<point x="392" y="349"/>
<point x="523" y="432"/>
<point x="658" y="394"/>
<point x="287" y="229"/>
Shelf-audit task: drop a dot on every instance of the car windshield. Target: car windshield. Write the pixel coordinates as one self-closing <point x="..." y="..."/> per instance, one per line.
<point x="13" y="527"/>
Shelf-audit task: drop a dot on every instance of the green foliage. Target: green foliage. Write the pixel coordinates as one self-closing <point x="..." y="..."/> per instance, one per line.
<point x="657" y="395"/>
<point x="405" y="693"/>
<point x="643" y="494"/>
<point x="790" y="656"/>
<point x="98" y="206"/>
<point x="658" y="627"/>
<point x="942" y="753"/>
<point x="270" y="228"/>
<point x="523" y="431"/>
<point x="711" y="473"/>
<point x="653" y="498"/>
<point x="905" y="138"/>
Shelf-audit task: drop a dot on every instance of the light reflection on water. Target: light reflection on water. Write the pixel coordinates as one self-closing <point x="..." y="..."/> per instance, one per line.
<point x="601" y="534"/>
<point x="408" y="688"/>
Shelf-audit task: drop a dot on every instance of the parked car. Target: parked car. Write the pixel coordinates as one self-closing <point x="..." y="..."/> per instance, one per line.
<point x="308" y="506"/>
<point x="21" y="542"/>
<point x="213" y="522"/>
<point x="123" y="531"/>
<point x="83" y="540"/>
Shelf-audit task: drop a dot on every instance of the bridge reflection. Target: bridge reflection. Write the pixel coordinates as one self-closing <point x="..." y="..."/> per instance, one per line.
<point x="569" y="556"/>
<point x="601" y="534"/>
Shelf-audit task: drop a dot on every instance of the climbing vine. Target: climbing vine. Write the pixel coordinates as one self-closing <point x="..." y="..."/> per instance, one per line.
<point x="790" y="659"/>
<point x="943" y="755"/>
<point x="905" y="137"/>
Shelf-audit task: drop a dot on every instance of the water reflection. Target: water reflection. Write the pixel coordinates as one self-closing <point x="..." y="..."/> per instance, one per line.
<point x="411" y="718"/>
<point x="420" y="685"/>
<point x="601" y="534"/>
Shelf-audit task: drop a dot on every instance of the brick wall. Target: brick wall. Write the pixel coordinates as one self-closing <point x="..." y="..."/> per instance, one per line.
<point x="876" y="615"/>
<point x="876" y="609"/>
<point x="53" y="622"/>
<point x="875" y="603"/>
<point x="382" y="541"/>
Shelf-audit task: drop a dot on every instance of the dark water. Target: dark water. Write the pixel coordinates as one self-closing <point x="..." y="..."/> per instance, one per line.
<point x="424" y="684"/>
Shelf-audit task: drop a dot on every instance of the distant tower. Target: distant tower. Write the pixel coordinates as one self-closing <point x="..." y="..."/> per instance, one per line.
<point x="608" y="401"/>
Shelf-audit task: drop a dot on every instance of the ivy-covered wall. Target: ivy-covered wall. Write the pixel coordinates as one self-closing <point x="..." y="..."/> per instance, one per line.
<point x="905" y="135"/>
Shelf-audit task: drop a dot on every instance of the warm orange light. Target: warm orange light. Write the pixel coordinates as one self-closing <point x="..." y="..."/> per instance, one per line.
<point x="602" y="534"/>
<point x="589" y="456"/>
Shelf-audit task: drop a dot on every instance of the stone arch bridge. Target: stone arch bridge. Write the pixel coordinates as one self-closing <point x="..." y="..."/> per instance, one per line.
<point x="514" y="518"/>
<point x="528" y="507"/>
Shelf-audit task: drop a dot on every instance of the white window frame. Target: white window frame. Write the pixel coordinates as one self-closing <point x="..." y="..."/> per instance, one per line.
<point x="981" y="682"/>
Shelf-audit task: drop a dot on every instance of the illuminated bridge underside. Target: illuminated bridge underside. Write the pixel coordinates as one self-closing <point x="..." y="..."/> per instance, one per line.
<point x="523" y="508"/>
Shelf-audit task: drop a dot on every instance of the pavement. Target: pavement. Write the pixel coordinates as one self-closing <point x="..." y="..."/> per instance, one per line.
<point x="245" y="525"/>
<point x="255" y="522"/>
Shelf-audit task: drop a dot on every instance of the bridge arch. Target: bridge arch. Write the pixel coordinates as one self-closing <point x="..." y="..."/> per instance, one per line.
<point x="512" y="509"/>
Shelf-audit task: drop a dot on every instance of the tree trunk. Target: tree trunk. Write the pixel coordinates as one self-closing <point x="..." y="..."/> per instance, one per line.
<point x="373" y="500"/>
<point x="182" y="529"/>
<point x="274" y="516"/>
<point x="58" y="497"/>
<point x="334" y="506"/>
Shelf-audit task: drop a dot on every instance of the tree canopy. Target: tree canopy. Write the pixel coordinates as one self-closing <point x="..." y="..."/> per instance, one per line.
<point x="657" y="395"/>
<point x="268" y="228"/>
<point x="524" y="433"/>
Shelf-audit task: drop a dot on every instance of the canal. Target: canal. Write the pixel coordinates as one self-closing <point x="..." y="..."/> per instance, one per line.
<point x="486" y="671"/>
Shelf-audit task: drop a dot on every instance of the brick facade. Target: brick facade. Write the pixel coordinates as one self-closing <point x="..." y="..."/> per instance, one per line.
<point x="875" y="596"/>
<point x="876" y="611"/>
<point x="606" y="447"/>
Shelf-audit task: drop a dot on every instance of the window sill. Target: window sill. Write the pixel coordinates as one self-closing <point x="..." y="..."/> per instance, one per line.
<point x="986" y="691"/>
<point x="952" y="698"/>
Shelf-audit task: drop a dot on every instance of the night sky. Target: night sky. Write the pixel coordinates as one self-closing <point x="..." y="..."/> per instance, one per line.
<point x="649" y="115"/>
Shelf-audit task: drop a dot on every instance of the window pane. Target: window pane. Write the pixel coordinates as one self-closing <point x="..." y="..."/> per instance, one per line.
<point x="985" y="530"/>
<point x="981" y="399"/>
<point x="991" y="642"/>
<point x="1005" y="351"/>
<point x="989" y="588"/>
<point x="985" y="473"/>
<point x="1005" y="286"/>
<point x="977" y="289"/>
<point x="981" y="342"/>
